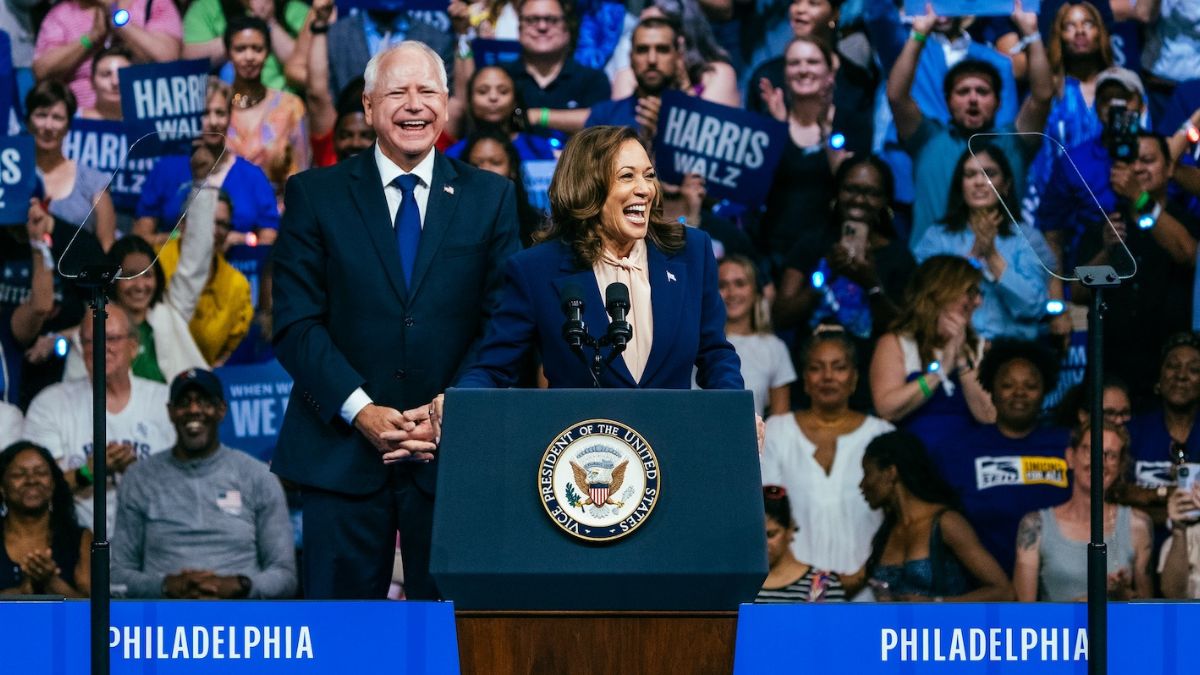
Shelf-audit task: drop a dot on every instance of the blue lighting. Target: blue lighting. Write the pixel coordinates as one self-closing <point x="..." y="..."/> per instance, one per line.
<point x="1055" y="307"/>
<point x="837" y="141"/>
<point x="1147" y="221"/>
<point x="934" y="366"/>
<point x="61" y="346"/>
<point x="818" y="279"/>
<point x="554" y="142"/>
<point x="120" y="17"/>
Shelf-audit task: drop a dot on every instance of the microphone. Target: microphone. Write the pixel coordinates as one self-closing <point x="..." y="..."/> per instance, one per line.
<point x="573" y="330"/>
<point x="616" y="299"/>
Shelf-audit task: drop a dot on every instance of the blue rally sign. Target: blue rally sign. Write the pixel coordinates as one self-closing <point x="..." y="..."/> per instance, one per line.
<point x="488" y="52"/>
<point x="394" y="5"/>
<point x="258" y="638"/>
<point x="18" y="178"/>
<point x="103" y="145"/>
<point x="736" y="151"/>
<point x="166" y="99"/>
<point x="969" y="7"/>
<point x="257" y="396"/>
<point x="952" y="638"/>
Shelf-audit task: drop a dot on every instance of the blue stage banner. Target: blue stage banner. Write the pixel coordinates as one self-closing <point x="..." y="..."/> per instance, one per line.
<point x="257" y="396"/>
<point x="969" y="7"/>
<point x="736" y="151"/>
<point x="488" y="52"/>
<point x="166" y="99"/>
<point x="259" y="638"/>
<point x="103" y="145"/>
<point x="18" y="178"/>
<point x="993" y="638"/>
<point x="394" y="5"/>
<point x="249" y="260"/>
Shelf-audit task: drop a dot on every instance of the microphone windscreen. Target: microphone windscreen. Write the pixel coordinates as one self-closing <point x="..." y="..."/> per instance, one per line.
<point x="617" y="293"/>
<point x="571" y="294"/>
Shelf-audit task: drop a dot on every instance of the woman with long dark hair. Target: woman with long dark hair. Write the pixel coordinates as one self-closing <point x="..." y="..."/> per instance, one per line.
<point x="925" y="549"/>
<point x="789" y="579"/>
<point x="490" y="149"/>
<point x="42" y="549"/>
<point x="493" y="100"/>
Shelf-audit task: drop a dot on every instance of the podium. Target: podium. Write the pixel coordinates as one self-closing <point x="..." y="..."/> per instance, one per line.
<point x="660" y="586"/>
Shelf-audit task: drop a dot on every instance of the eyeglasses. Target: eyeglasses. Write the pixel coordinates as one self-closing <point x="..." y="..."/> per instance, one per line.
<point x="535" y="20"/>
<point x="774" y="492"/>
<point x="1117" y="416"/>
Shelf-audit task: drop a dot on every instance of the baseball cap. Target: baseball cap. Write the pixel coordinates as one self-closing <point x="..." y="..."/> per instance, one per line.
<point x="197" y="378"/>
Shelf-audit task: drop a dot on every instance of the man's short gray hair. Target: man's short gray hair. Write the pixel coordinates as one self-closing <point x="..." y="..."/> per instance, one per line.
<point x="372" y="71"/>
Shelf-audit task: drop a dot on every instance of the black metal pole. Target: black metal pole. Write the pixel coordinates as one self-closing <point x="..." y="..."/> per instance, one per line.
<point x="1096" y="279"/>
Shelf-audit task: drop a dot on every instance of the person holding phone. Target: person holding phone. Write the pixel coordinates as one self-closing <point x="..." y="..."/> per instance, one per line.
<point x="1180" y="570"/>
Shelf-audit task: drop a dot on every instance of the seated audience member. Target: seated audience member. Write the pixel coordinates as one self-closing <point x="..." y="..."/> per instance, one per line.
<point x="169" y="184"/>
<point x="489" y="148"/>
<point x="864" y="266"/>
<point x="766" y="365"/>
<point x="42" y="549"/>
<point x="60" y="418"/>
<point x="1116" y="404"/>
<point x="107" y="83"/>
<point x="1161" y="236"/>
<point x="77" y="194"/>
<point x="205" y="21"/>
<point x="73" y="30"/>
<point x="1004" y="470"/>
<point x="925" y="549"/>
<point x="224" y="309"/>
<point x="1052" y="543"/>
<point x="686" y="203"/>
<point x="1179" y="565"/>
<point x="798" y="204"/>
<point x="790" y="580"/>
<point x="656" y="61"/>
<point x="924" y="373"/>
<point x="21" y="322"/>
<point x="235" y="544"/>
<point x="704" y="67"/>
<point x="854" y="84"/>
<point x="493" y="100"/>
<point x="1162" y="438"/>
<point x="817" y="455"/>
<point x="267" y="126"/>
<point x="972" y="89"/>
<point x="977" y="227"/>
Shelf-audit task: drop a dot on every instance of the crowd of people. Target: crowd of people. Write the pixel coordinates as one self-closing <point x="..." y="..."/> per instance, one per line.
<point x="901" y="304"/>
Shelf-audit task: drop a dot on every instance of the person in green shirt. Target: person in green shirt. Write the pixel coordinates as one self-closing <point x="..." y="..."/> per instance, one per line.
<point x="205" y="21"/>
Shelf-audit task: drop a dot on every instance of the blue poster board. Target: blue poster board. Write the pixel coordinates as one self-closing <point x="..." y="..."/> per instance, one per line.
<point x="394" y="5"/>
<point x="167" y="100"/>
<point x="969" y="7"/>
<point x="256" y="396"/>
<point x="103" y="145"/>
<point x="488" y="52"/>
<point x="18" y="178"/>
<point x="258" y="638"/>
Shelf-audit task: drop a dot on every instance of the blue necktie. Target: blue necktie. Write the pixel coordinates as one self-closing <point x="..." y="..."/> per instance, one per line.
<point x="408" y="224"/>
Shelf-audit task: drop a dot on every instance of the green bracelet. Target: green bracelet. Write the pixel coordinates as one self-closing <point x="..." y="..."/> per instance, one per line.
<point x="917" y="36"/>
<point x="86" y="42"/>
<point x="544" y="118"/>
<point x="925" y="390"/>
<point x="1142" y="200"/>
<point x="85" y="473"/>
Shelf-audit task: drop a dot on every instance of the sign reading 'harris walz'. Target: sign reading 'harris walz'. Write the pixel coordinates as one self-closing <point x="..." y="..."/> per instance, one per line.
<point x="166" y="99"/>
<point x="734" y="150"/>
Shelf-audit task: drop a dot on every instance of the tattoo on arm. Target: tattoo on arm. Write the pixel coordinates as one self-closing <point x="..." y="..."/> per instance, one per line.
<point x="1030" y="531"/>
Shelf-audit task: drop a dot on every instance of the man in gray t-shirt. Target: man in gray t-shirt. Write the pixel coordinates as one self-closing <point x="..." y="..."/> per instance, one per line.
<point x="203" y="520"/>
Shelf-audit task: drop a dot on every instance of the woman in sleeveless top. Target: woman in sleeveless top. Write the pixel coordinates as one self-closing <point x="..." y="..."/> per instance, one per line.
<point x="1052" y="543"/>
<point x="790" y="580"/>
<point x="925" y="549"/>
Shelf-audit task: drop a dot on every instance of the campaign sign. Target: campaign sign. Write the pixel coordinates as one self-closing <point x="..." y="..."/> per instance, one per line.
<point x="18" y="178"/>
<point x="394" y="5"/>
<point x="103" y="145"/>
<point x="166" y="99"/>
<point x="969" y="7"/>
<point x="736" y="151"/>
<point x="8" y="82"/>
<point x="1072" y="369"/>
<point x="254" y="637"/>
<point x="249" y="260"/>
<point x="257" y="396"/>
<point x="490" y="52"/>
<point x="536" y="176"/>
<point x="951" y="638"/>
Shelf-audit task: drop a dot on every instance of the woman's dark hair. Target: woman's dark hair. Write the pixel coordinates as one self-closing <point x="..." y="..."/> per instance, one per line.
<point x="883" y="224"/>
<point x="916" y="471"/>
<point x="232" y="9"/>
<point x="580" y="187"/>
<point x="117" y="49"/>
<point x="1006" y="350"/>
<point x="63" y="527"/>
<point x="247" y="22"/>
<point x="48" y="93"/>
<point x="777" y="506"/>
<point x="1079" y="399"/>
<point x="1054" y="49"/>
<point x="127" y="245"/>
<point x="531" y="220"/>
<point x="1175" y="341"/>
<point x="517" y="122"/>
<point x="830" y="333"/>
<point x="957" y="212"/>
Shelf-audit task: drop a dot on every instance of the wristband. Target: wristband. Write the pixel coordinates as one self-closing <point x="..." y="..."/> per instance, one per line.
<point x="917" y="36"/>
<point x="83" y="476"/>
<point x="544" y="117"/>
<point x="86" y="42"/>
<point x="1025" y="42"/>
<point x="1193" y="133"/>
<point x="1142" y="200"/>
<point x="318" y="28"/>
<point x="925" y="390"/>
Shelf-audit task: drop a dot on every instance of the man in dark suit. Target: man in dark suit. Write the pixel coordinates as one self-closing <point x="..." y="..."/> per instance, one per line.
<point x="386" y="269"/>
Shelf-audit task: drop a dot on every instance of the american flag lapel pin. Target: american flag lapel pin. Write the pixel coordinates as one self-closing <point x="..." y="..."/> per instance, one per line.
<point x="670" y="277"/>
<point x="449" y="189"/>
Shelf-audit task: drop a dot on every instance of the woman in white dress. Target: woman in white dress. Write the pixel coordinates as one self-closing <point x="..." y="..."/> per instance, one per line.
<point x="766" y="365"/>
<point x="816" y="454"/>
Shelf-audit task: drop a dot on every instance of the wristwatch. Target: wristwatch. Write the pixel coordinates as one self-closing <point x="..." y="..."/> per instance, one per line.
<point x="1163" y="491"/>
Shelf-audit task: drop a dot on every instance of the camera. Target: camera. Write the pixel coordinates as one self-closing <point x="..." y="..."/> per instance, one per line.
<point x="1121" y="132"/>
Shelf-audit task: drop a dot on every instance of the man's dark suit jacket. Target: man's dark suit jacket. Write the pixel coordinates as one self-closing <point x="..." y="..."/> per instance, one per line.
<point x="344" y="318"/>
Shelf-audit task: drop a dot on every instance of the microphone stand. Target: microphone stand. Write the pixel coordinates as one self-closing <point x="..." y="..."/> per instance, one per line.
<point x="96" y="279"/>
<point x="1096" y="279"/>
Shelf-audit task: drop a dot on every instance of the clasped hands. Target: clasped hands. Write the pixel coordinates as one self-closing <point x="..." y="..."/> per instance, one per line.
<point x="409" y="436"/>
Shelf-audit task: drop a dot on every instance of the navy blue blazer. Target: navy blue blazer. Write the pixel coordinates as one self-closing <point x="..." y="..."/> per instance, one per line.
<point x="344" y="317"/>
<point x="689" y="322"/>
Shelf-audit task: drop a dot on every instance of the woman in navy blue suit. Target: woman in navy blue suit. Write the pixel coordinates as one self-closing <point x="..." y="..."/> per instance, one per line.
<point x="607" y="227"/>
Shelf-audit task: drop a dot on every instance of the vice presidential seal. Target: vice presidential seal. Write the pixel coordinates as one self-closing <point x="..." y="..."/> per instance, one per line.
<point x="599" y="480"/>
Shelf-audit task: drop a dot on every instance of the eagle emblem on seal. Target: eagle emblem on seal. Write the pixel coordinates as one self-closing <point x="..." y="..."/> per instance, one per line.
<point x="600" y="483"/>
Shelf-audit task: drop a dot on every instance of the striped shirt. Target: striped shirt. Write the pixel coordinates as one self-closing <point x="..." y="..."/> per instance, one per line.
<point x="813" y="586"/>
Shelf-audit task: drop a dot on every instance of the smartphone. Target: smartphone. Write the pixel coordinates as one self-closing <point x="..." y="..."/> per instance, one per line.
<point x="854" y="239"/>
<point x="1185" y="479"/>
